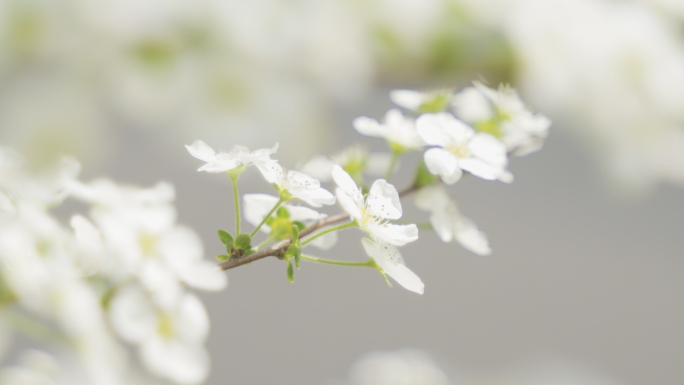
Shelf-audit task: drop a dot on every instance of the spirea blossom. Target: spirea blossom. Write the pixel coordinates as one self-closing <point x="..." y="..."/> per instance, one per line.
<point x="374" y="211"/>
<point x="297" y="184"/>
<point x="390" y="261"/>
<point x="225" y="161"/>
<point x="398" y="130"/>
<point x="503" y="114"/>
<point x="448" y="222"/>
<point x="458" y="148"/>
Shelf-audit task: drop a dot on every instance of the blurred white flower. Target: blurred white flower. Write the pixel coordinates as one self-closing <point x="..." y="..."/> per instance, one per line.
<point x="257" y="206"/>
<point x="503" y="114"/>
<point x="169" y="340"/>
<point x="354" y="159"/>
<point x="433" y="101"/>
<point x="448" y="222"/>
<point x="398" y="130"/>
<point x="399" y="367"/>
<point x="226" y="161"/>
<point x="299" y="185"/>
<point x="389" y="260"/>
<point x="459" y="148"/>
<point x="374" y="211"/>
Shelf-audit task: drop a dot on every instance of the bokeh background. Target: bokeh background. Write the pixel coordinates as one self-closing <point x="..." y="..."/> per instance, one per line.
<point x="585" y="282"/>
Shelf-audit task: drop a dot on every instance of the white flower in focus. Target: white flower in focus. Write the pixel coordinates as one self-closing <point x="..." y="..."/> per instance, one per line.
<point x="375" y="210"/>
<point x="169" y="340"/>
<point x="226" y="161"/>
<point x="299" y="185"/>
<point x="503" y="114"/>
<point x="397" y="129"/>
<point x="448" y="222"/>
<point x="389" y="260"/>
<point x="257" y="206"/>
<point x="459" y="148"/>
<point x="435" y="101"/>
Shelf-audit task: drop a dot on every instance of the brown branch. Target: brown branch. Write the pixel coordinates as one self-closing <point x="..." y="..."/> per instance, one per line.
<point x="278" y="249"/>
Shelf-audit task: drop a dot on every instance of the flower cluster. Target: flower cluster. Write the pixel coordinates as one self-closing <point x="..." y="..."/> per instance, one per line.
<point x="473" y="131"/>
<point x="117" y="274"/>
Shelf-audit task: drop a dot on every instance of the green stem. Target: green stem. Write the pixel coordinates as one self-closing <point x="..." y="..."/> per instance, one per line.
<point x="340" y="227"/>
<point x="236" y="196"/>
<point x="369" y="263"/>
<point x="280" y="202"/>
<point x="393" y="164"/>
<point x="264" y="243"/>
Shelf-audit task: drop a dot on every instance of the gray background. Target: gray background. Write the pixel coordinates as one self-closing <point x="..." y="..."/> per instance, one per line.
<point x="578" y="273"/>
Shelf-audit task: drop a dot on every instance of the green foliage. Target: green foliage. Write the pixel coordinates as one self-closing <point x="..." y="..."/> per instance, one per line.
<point x="438" y="103"/>
<point x="243" y="242"/>
<point x="423" y="176"/>
<point x="222" y="257"/>
<point x="290" y="271"/>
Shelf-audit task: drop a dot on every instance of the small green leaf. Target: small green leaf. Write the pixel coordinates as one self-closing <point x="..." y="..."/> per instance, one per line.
<point x="423" y="176"/>
<point x="290" y="271"/>
<point x="282" y="213"/>
<point x="225" y="237"/>
<point x="295" y="234"/>
<point x="295" y="252"/>
<point x="223" y="257"/>
<point x="243" y="241"/>
<point x="300" y="225"/>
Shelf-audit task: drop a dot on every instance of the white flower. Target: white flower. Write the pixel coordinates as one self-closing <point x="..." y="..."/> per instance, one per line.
<point x="374" y="211"/>
<point x="502" y="113"/>
<point x="257" y="206"/>
<point x="169" y="340"/>
<point x="398" y="367"/>
<point x="389" y="260"/>
<point x="435" y="101"/>
<point x="299" y="185"/>
<point x="354" y="159"/>
<point x="449" y="223"/>
<point x="460" y="148"/>
<point x="397" y="129"/>
<point x="225" y="161"/>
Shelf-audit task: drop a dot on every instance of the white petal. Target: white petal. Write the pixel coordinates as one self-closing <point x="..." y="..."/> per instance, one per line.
<point x="222" y="163"/>
<point x="472" y="106"/>
<point x="488" y="148"/>
<point x="347" y="184"/>
<point x="132" y="315"/>
<point x="162" y="283"/>
<point x="481" y="168"/>
<point x="348" y="204"/>
<point x="325" y="242"/>
<point x="369" y="127"/>
<point x="432" y="130"/>
<point x="256" y="206"/>
<point x="391" y="262"/>
<point x="408" y="99"/>
<point x="432" y="198"/>
<point x="204" y="275"/>
<point x="319" y="167"/>
<point x="191" y="322"/>
<point x="441" y="223"/>
<point x="272" y="171"/>
<point x="303" y="214"/>
<point x="383" y="200"/>
<point x="470" y="237"/>
<point x="316" y="197"/>
<point x="178" y="361"/>
<point x="397" y="235"/>
<point x="179" y="246"/>
<point x="444" y="164"/>
<point x="298" y="180"/>
<point x="201" y="151"/>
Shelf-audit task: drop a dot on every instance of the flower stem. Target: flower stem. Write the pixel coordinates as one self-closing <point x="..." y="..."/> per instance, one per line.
<point x="369" y="263"/>
<point x="340" y="227"/>
<point x="236" y="196"/>
<point x="280" y="202"/>
<point x="264" y="243"/>
<point x="393" y="164"/>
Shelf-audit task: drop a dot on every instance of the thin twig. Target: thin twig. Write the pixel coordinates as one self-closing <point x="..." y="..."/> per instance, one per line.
<point x="278" y="249"/>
